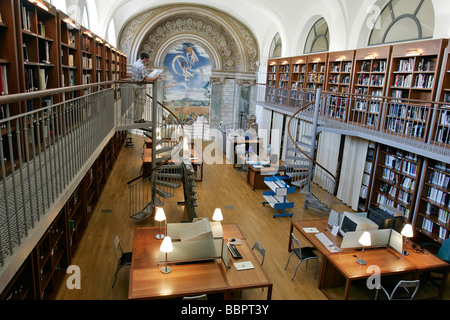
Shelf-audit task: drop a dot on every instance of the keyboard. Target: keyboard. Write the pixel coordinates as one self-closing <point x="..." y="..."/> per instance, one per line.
<point x="234" y="251"/>
<point x="327" y="242"/>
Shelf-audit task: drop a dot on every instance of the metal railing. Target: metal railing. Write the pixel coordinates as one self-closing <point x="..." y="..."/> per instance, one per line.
<point x="43" y="149"/>
<point x="418" y="126"/>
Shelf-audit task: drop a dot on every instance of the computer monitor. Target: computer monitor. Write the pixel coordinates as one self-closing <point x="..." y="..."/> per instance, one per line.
<point x="351" y="222"/>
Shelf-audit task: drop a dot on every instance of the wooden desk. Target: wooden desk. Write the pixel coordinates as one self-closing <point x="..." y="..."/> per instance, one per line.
<point x="147" y="281"/>
<point x="255" y="176"/>
<point x="342" y="269"/>
<point x="250" y="142"/>
<point x="322" y="226"/>
<point x="343" y="266"/>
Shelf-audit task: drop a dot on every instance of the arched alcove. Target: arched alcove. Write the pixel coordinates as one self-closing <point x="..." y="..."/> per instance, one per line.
<point x="231" y="48"/>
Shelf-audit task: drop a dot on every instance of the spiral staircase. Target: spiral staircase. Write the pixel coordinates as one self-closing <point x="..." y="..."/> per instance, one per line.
<point x="169" y="170"/>
<point x="313" y="180"/>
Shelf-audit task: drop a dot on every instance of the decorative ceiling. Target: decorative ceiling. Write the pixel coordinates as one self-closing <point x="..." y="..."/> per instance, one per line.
<point x="229" y="43"/>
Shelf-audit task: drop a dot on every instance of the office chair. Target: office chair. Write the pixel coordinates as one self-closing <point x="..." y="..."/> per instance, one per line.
<point x="260" y="249"/>
<point x="302" y="253"/>
<point x="123" y="260"/>
<point x="403" y="290"/>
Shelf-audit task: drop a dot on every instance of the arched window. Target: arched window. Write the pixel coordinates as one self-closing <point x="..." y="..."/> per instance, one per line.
<point x="403" y="20"/>
<point x="85" y="19"/>
<point x="275" y="47"/>
<point x="318" y="38"/>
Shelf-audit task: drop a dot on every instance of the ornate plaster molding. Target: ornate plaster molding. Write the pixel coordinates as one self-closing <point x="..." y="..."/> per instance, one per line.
<point x="235" y="47"/>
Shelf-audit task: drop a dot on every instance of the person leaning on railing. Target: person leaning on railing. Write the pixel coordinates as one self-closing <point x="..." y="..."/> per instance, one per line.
<point x="139" y="73"/>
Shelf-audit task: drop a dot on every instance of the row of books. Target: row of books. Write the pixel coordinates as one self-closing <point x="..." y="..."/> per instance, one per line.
<point x="406" y="65"/>
<point x="424" y="81"/>
<point x="408" y="183"/>
<point x="402" y="81"/>
<point x="378" y="66"/>
<point x="346" y="67"/>
<point x="434" y="228"/>
<point x="440" y="179"/>
<point x="335" y="79"/>
<point x="438" y="196"/>
<point x="381" y="199"/>
<point x="441" y="214"/>
<point x="26" y="18"/>
<point x="296" y="67"/>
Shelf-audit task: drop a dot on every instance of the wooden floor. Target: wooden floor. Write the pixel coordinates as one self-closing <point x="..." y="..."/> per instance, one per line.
<point x="222" y="187"/>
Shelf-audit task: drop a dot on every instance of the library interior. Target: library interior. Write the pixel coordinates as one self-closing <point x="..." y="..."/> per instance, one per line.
<point x="208" y="150"/>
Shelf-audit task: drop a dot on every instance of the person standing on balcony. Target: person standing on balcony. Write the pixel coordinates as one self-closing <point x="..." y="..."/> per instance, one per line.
<point x="139" y="73"/>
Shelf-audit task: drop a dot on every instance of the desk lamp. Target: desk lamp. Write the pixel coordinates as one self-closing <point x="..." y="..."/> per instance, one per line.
<point x="166" y="247"/>
<point x="160" y="216"/>
<point x="407" y="232"/>
<point x="365" y="241"/>
<point x="217" y="216"/>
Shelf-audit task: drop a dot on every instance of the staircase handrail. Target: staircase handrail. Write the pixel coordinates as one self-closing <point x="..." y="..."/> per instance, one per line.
<point x="298" y="147"/>
<point x="166" y="161"/>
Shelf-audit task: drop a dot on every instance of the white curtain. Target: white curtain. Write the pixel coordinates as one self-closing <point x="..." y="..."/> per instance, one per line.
<point x="264" y="128"/>
<point x="276" y="133"/>
<point x="327" y="156"/>
<point x="352" y="171"/>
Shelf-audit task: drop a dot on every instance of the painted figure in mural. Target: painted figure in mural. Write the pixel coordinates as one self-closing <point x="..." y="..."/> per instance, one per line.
<point x="138" y="73"/>
<point x="185" y="63"/>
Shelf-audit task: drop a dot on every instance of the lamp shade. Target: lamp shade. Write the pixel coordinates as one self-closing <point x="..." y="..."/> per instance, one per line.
<point x="407" y="231"/>
<point x="160" y="216"/>
<point x="166" y="245"/>
<point x="365" y="239"/>
<point x="217" y="216"/>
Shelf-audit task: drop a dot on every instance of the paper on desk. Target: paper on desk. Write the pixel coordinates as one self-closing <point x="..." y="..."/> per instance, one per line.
<point x="244" y="265"/>
<point x="310" y="230"/>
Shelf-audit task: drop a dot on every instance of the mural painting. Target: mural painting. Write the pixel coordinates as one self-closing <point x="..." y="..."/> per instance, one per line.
<point x="187" y="89"/>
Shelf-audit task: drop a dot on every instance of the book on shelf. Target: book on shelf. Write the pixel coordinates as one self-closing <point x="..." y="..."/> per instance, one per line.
<point x="406" y="65"/>
<point x="26" y="21"/>
<point x="25" y="52"/>
<point x="41" y="28"/>
<point x="43" y="78"/>
<point x="3" y="80"/>
<point x="44" y="52"/>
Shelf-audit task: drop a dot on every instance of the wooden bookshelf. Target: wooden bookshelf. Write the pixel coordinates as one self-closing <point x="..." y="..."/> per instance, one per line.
<point x="441" y="126"/>
<point x="272" y="72"/>
<point x="76" y="218"/>
<point x="9" y="73"/>
<point x="369" y="168"/>
<point x="396" y="179"/>
<point x="21" y="286"/>
<point x="370" y="79"/>
<point x="415" y="69"/>
<point x="38" y="38"/>
<point x="432" y="218"/>
<point x="298" y="72"/>
<point x="316" y="71"/>
<point x="272" y="76"/>
<point x="99" y="64"/>
<point x="87" y="56"/>
<point x="51" y="258"/>
<point x="70" y="46"/>
<point x="340" y="71"/>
